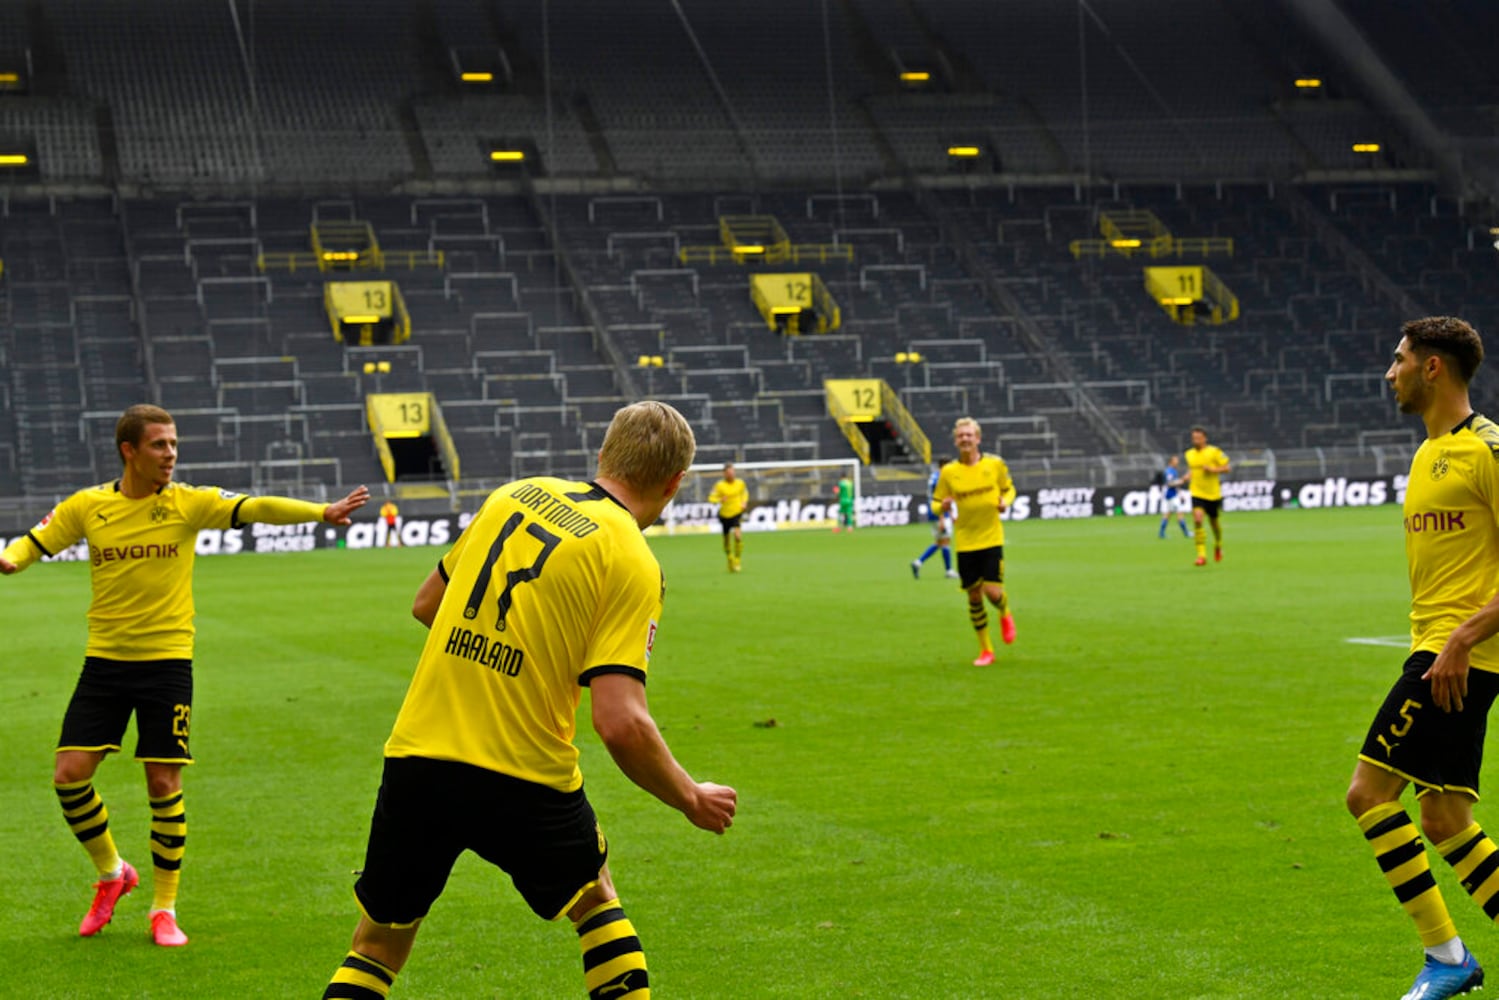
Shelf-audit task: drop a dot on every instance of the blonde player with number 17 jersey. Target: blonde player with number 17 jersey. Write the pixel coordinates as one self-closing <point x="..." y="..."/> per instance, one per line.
<point x="549" y="590"/>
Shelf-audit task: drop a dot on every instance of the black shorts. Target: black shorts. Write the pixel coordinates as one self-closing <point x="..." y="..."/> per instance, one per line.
<point x="981" y="566"/>
<point x="730" y="523"/>
<point x="159" y="692"/>
<point x="1436" y="751"/>
<point x="1210" y="507"/>
<point x="430" y="811"/>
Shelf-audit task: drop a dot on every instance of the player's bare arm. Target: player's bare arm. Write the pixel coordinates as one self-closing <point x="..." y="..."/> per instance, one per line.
<point x="429" y="598"/>
<point x="1449" y="673"/>
<point x="624" y="723"/>
<point x="338" y="512"/>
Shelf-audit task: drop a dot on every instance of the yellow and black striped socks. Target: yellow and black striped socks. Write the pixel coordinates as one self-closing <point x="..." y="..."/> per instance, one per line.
<point x="978" y="615"/>
<point x="613" y="963"/>
<point x="89" y="820"/>
<point x="1475" y="859"/>
<point x="168" y="841"/>
<point x="1402" y="858"/>
<point x="360" y="978"/>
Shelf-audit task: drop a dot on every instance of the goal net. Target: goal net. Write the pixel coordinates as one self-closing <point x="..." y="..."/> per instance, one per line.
<point x="782" y="495"/>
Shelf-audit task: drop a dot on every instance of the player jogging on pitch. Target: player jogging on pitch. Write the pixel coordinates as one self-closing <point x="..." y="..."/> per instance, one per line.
<point x="1205" y="464"/>
<point x="979" y="488"/>
<point x="732" y="495"/>
<point x="941" y="523"/>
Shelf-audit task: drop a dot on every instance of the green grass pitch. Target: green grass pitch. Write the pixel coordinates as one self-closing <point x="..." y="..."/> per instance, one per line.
<point x="1142" y="798"/>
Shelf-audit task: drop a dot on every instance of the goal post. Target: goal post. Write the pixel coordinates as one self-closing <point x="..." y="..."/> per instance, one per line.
<point x="782" y="495"/>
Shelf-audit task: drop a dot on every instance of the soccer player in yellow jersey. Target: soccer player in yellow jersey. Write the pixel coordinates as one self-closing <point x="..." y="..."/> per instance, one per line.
<point x="141" y="531"/>
<point x="1205" y="464"/>
<point x="549" y="590"/>
<point x="732" y="495"/>
<point x="979" y="488"/>
<point x="1429" y="732"/>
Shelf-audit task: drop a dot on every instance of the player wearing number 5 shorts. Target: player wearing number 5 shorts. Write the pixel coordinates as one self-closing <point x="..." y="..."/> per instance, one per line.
<point x="549" y="590"/>
<point x="141" y="531"/>
<point x="1430" y="730"/>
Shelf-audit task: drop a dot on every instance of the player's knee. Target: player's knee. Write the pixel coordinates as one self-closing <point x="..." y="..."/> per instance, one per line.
<point x="1440" y="827"/>
<point x="1445" y="816"/>
<point x="593" y="897"/>
<point x="74" y="766"/>
<point x="161" y="782"/>
<point x="1359" y="800"/>
<point x="1364" y="795"/>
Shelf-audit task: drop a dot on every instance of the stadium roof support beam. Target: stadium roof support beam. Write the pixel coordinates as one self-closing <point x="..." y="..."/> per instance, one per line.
<point x="1326" y="20"/>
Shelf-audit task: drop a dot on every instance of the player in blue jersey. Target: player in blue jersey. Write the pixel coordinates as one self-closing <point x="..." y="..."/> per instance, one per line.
<point x="1173" y="498"/>
<point x="941" y="529"/>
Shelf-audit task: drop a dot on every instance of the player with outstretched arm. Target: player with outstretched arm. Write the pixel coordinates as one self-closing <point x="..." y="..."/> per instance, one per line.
<point x="141" y="531"/>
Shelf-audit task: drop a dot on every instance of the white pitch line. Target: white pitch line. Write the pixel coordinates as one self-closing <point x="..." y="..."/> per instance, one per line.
<point x="1397" y="641"/>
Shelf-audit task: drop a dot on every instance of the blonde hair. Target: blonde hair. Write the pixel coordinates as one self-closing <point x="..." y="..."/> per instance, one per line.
<point x="968" y="422"/>
<point x="132" y="424"/>
<point x="646" y="444"/>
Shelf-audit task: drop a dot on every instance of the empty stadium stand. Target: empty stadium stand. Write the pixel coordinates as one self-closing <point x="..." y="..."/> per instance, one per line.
<point x="161" y="245"/>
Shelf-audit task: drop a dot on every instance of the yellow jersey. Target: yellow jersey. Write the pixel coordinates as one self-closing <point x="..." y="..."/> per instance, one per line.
<point x="1205" y="485"/>
<point x="731" y="498"/>
<point x="141" y="555"/>
<point x="976" y="491"/>
<point x="1452" y="535"/>
<point x="551" y="585"/>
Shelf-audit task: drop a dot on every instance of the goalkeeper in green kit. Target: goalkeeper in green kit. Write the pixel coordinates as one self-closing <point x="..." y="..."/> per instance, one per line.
<point x="845" y="494"/>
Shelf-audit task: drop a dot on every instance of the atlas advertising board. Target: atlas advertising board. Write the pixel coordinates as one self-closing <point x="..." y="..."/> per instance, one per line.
<point x="878" y="510"/>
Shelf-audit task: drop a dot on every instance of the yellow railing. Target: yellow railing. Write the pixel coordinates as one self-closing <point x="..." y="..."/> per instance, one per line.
<point x="856" y="438"/>
<point x="382" y="447"/>
<point x="910" y="430"/>
<point x="1161" y="246"/>
<point x="444" y="441"/>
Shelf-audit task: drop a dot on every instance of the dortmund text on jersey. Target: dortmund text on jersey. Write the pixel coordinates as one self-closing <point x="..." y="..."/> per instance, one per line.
<point x="551" y="585"/>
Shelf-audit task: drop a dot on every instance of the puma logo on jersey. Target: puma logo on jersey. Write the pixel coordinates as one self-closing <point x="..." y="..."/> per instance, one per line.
<point x="1389" y="748"/>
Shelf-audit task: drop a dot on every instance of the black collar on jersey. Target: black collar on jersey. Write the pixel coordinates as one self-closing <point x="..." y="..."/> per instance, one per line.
<point x="594" y="492"/>
<point x="157" y="491"/>
<point x="1466" y="421"/>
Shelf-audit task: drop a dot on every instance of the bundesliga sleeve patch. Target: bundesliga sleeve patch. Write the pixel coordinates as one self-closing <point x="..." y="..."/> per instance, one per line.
<point x="650" y="640"/>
